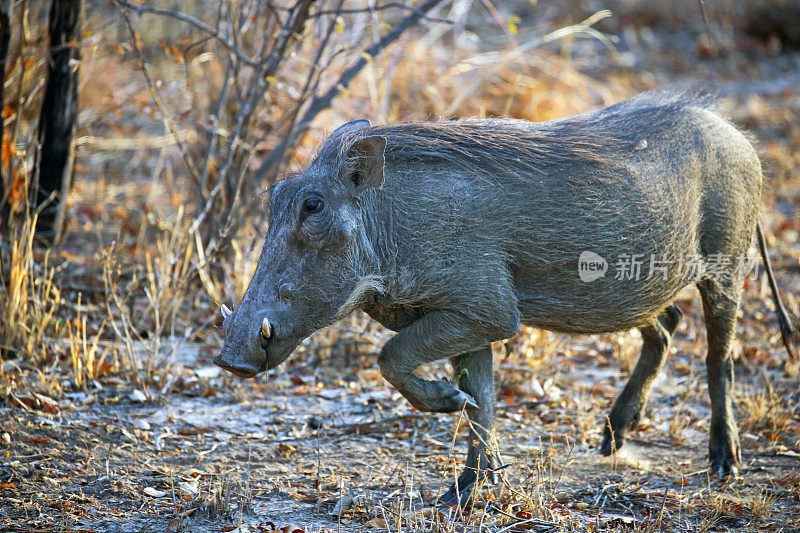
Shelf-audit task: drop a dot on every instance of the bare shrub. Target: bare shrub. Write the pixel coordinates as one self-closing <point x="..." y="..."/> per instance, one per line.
<point x="253" y="79"/>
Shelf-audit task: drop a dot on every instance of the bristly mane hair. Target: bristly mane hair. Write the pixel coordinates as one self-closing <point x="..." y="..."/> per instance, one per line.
<point x="517" y="146"/>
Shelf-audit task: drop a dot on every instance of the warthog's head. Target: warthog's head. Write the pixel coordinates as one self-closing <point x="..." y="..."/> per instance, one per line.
<point x="316" y="262"/>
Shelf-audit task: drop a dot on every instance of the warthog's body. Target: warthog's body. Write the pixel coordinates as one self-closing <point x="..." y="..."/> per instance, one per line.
<point x="454" y="233"/>
<point x="506" y="235"/>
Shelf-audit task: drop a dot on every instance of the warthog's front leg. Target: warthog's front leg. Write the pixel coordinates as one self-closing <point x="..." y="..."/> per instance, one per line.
<point x="474" y="374"/>
<point x="435" y="336"/>
<point x="442" y="334"/>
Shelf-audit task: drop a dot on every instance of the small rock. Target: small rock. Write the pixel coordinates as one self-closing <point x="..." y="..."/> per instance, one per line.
<point x="144" y="425"/>
<point x="581" y="506"/>
<point x="562" y="496"/>
<point x="344" y="504"/>
<point x="315" y="422"/>
<point x="6" y="438"/>
<point x="207" y="372"/>
<point x="138" y="396"/>
<point x="641" y="145"/>
<point x="533" y="387"/>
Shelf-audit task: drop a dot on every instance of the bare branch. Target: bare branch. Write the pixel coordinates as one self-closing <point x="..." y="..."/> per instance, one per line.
<point x="255" y="59"/>
<point x="383" y="7"/>
<point x="293" y="25"/>
<point x="184" y="150"/>
<point x="323" y="101"/>
<point x="197" y="23"/>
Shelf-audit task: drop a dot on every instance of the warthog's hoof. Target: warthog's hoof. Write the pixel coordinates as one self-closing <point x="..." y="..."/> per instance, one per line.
<point x="446" y="400"/>
<point x="462" y="491"/>
<point x="458" y="494"/>
<point x="620" y="427"/>
<point x="725" y="456"/>
<point x="613" y="440"/>
<point x="463" y="399"/>
<point x="609" y="445"/>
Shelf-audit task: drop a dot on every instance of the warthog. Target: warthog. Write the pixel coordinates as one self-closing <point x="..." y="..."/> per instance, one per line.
<point x="452" y="234"/>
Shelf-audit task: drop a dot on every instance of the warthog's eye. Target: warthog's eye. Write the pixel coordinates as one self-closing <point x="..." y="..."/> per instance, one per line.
<point x="311" y="206"/>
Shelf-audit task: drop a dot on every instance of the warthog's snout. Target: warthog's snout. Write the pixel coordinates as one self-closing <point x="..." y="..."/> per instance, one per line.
<point x="249" y="365"/>
<point x="242" y="369"/>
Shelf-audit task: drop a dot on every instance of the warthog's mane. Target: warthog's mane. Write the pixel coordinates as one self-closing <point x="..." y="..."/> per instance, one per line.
<point x="507" y="146"/>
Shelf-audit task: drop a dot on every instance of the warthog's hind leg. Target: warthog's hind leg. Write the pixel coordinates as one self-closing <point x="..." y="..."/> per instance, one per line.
<point x="631" y="402"/>
<point x="720" y="305"/>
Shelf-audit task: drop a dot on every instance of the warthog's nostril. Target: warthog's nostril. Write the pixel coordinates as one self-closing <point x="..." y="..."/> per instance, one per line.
<point x="242" y="370"/>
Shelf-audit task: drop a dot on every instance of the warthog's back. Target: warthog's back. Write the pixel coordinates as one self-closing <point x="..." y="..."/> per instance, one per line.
<point x="656" y="178"/>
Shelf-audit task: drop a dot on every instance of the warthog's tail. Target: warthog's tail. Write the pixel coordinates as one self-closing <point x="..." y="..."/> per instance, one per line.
<point x="787" y="329"/>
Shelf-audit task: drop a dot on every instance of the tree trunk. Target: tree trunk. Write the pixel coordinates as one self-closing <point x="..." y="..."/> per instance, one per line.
<point x="5" y="38"/>
<point x="59" y="116"/>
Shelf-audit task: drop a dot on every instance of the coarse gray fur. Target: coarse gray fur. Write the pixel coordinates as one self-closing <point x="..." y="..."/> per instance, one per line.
<point x="455" y="233"/>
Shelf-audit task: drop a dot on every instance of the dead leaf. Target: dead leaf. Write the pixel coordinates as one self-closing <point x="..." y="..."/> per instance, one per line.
<point x="377" y="523"/>
<point x="297" y="379"/>
<point x="153" y="493"/>
<point x="37" y="402"/>
<point x="286" y="450"/>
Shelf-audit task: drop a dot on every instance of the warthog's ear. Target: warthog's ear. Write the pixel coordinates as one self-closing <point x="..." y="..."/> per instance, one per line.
<point x="363" y="165"/>
<point x="350" y="127"/>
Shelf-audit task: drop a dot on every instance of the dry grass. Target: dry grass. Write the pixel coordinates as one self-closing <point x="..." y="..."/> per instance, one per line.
<point x="87" y="359"/>
<point x="764" y="411"/>
<point x="29" y="299"/>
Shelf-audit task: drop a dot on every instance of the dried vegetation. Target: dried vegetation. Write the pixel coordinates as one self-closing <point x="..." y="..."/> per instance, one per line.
<point x="113" y="418"/>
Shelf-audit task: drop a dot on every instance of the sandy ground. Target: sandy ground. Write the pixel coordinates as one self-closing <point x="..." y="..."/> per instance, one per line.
<point x="290" y="447"/>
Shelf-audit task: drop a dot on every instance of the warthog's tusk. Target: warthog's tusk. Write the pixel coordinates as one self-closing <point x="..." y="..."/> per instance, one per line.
<point x="225" y="310"/>
<point x="265" y="328"/>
